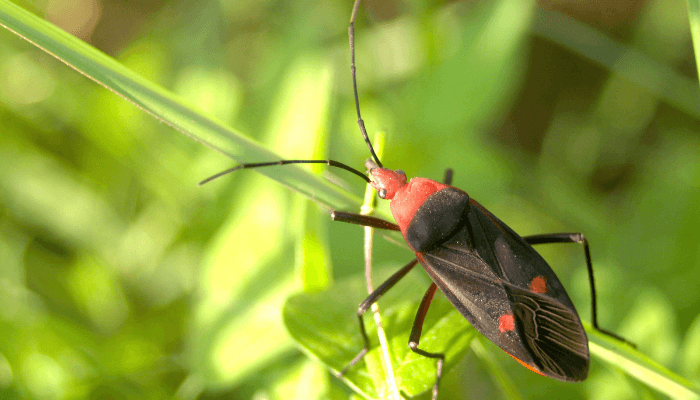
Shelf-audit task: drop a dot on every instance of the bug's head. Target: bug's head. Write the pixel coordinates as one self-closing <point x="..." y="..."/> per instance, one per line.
<point x="386" y="181"/>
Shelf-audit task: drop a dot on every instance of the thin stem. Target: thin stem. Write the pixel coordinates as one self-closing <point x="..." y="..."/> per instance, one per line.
<point x="368" y="209"/>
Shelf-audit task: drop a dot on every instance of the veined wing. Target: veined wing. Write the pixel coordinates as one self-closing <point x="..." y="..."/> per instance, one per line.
<point x="509" y="293"/>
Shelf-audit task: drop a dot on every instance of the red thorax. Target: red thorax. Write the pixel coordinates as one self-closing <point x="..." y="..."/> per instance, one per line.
<point x="405" y="197"/>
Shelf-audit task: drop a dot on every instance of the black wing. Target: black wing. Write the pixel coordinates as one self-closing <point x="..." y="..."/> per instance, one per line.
<point x="509" y="293"/>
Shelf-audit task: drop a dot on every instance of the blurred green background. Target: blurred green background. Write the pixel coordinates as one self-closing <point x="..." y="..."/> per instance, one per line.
<point x="121" y="278"/>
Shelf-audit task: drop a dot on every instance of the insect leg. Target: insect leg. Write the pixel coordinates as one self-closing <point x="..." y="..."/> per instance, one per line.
<point x="447" y="180"/>
<point x="364" y="220"/>
<point x="578" y="238"/>
<point x="367" y="303"/>
<point x="414" y="339"/>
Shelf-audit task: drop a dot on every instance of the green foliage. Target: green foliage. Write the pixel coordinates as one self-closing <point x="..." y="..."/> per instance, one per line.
<point x="123" y="279"/>
<point x="333" y="336"/>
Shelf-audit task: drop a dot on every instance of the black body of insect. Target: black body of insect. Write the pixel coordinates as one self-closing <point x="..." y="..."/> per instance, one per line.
<point x="493" y="276"/>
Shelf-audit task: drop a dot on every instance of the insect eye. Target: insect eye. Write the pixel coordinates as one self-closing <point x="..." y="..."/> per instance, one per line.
<point x="382" y="193"/>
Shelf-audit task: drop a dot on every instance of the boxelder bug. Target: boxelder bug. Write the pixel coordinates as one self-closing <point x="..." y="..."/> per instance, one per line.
<point x="493" y="276"/>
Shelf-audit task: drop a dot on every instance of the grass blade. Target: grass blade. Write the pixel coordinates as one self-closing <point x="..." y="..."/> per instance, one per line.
<point x="639" y="366"/>
<point x="165" y="106"/>
<point x="694" y="17"/>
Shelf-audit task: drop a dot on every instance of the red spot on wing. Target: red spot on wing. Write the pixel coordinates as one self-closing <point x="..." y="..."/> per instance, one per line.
<point x="506" y="323"/>
<point x="539" y="284"/>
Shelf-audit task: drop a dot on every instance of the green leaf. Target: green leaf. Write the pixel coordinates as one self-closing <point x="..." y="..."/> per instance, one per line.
<point x="639" y="366"/>
<point x="324" y="324"/>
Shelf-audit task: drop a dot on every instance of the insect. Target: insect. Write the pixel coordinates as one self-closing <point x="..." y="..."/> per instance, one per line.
<point x="493" y="276"/>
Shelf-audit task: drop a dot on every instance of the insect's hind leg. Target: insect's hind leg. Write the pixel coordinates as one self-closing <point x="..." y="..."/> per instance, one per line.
<point x="367" y="303"/>
<point x="550" y="238"/>
<point x="416" y="331"/>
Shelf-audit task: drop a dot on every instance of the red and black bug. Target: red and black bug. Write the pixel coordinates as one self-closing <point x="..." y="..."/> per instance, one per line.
<point x="493" y="276"/>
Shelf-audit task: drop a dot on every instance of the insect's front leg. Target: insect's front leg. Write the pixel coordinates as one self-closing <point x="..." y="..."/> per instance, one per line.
<point x="367" y="303"/>
<point x="363" y="220"/>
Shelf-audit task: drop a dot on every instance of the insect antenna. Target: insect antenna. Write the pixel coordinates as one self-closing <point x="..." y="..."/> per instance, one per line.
<point x="331" y="163"/>
<point x="360" y="122"/>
